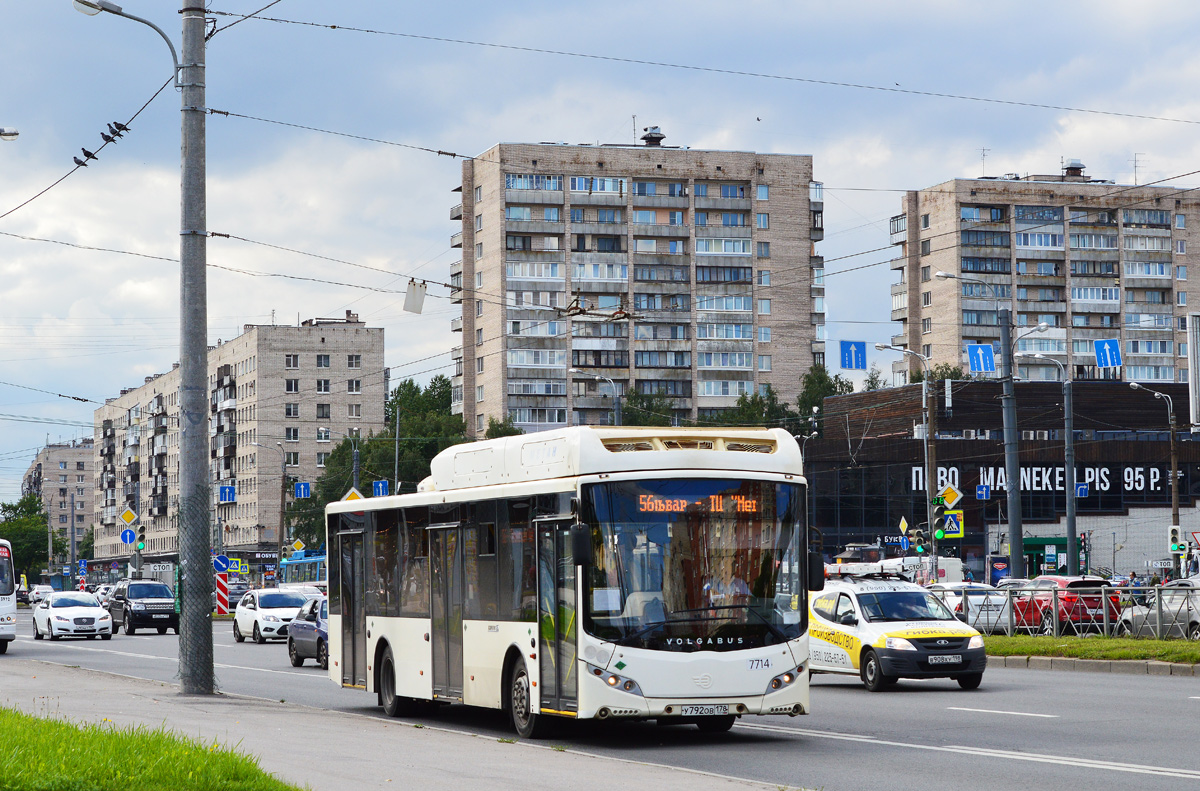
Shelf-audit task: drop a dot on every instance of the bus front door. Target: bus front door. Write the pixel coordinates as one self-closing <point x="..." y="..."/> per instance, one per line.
<point x="352" y="564"/>
<point x="556" y="618"/>
<point x="446" y="609"/>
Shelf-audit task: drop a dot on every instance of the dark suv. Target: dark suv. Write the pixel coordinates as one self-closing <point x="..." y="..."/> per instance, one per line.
<point x="139" y="604"/>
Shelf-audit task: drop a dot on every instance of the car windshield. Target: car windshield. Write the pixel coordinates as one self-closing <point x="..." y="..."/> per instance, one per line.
<point x="278" y="601"/>
<point x="903" y="606"/>
<point x="694" y="564"/>
<point x="7" y="578"/>
<point x="74" y="601"/>
<point x="150" y="590"/>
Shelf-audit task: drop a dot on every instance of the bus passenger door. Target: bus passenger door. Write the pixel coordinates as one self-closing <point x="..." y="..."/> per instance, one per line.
<point x="556" y="617"/>
<point x="446" y="610"/>
<point x="352" y="564"/>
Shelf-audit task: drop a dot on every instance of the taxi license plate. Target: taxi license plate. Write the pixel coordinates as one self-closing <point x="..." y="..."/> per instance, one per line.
<point x="162" y="616"/>
<point x="703" y="711"/>
<point x="945" y="659"/>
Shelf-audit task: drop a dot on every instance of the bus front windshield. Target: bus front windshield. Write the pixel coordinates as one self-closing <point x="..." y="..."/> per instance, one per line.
<point x="695" y="564"/>
<point x="7" y="578"/>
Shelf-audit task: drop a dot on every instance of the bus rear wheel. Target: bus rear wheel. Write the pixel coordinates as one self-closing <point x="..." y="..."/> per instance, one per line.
<point x="715" y="724"/>
<point x="393" y="704"/>
<point x="527" y="723"/>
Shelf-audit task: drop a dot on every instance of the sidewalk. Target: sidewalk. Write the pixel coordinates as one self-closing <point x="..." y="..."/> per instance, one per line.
<point x="331" y="751"/>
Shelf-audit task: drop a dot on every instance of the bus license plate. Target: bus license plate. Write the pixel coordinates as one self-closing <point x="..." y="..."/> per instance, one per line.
<point x="945" y="659"/>
<point x="704" y="711"/>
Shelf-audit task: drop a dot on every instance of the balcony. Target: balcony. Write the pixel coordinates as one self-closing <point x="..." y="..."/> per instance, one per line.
<point x="541" y="197"/>
<point x="456" y="324"/>
<point x="660" y="201"/>
<point x="816" y="195"/>
<point x="900" y="314"/>
<point x="900" y="340"/>
<point x="456" y="267"/>
<point x="673" y="231"/>
<point x="534" y="226"/>
<point x="723" y="204"/>
<point x="456" y="353"/>
<point x="723" y="232"/>
<point x="456" y="296"/>
<point x="456" y="212"/>
<point x="598" y="198"/>
<point x="456" y="240"/>
<point x="898" y="229"/>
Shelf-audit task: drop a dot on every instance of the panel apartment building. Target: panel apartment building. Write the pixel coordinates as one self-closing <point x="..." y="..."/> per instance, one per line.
<point x="281" y="397"/>
<point x="62" y="476"/>
<point x="676" y="271"/>
<point x="1090" y="258"/>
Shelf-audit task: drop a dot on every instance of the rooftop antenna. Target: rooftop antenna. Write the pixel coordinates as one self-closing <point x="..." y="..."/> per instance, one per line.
<point x="1135" y="166"/>
<point x="983" y="152"/>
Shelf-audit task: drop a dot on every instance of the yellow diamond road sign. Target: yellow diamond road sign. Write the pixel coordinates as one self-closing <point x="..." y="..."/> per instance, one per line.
<point x="299" y="545"/>
<point x="951" y="494"/>
<point x="127" y="516"/>
<point x="353" y="494"/>
<point x="903" y="525"/>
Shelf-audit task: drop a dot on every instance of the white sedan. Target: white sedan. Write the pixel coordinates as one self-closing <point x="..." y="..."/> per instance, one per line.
<point x="987" y="610"/>
<point x="265" y="614"/>
<point x="71" y="614"/>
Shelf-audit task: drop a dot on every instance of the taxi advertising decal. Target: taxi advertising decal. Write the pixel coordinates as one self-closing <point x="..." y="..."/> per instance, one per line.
<point x="847" y="642"/>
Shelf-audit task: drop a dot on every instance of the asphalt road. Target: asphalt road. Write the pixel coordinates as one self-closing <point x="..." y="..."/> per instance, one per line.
<point x="1050" y="729"/>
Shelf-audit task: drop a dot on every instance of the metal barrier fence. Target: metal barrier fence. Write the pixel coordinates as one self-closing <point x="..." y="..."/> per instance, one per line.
<point x="1163" y="611"/>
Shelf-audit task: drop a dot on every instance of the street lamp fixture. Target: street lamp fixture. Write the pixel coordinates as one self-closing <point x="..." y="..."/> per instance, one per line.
<point x="93" y="7"/>
<point x="8" y="133"/>
<point x="1174" y="462"/>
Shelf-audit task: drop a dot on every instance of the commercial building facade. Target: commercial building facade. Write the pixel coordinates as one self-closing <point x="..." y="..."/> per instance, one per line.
<point x="1091" y="259"/>
<point x="281" y="398"/>
<point x="691" y="274"/>
<point x="62" y="477"/>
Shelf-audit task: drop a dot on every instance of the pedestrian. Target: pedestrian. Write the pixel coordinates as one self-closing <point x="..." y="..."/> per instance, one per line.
<point x="1155" y="581"/>
<point x="967" y="575"/>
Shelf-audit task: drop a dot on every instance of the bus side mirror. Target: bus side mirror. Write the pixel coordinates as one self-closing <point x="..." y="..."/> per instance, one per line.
<point x="581" y="544"/>
<point x="816" y="572"/>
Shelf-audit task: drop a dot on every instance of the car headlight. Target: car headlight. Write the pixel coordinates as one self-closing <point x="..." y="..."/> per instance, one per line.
<point x="105" y="617"/>
<point x="899" y="644"/>
<point x="137" y="605"/>
<point x="61" y="618"/>
<point x="976" y="642"/>
<point x="270" y="617"/>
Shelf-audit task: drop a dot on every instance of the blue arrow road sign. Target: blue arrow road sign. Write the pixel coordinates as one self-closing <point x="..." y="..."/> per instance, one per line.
<point x="982" y="358"/>
<point x="379" y="488"/>
<point x="228" y="494"/>
<point x="127" y="536"/>
<point x="220" y="564"/>
<point x="983" y="492"/>
<point x="303" y="490"/>
<point x="905" y="543"/>
<point x="1081" y="490"/>
<point x="854" y="355"/>
<point x="1108" y="353"/>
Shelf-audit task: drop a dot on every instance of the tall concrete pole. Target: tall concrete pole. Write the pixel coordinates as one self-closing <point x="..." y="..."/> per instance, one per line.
<point x="1175" y="569"/>
<point x="282" y="513"/>
<point x="195" y="494"/>
<point x="1069" y="463"/>
<point x="1012" y="464"/>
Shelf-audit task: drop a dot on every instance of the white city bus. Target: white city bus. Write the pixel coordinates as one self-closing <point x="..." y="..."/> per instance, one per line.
<point x="8" y="597"/>
<point x="587" y="572"/>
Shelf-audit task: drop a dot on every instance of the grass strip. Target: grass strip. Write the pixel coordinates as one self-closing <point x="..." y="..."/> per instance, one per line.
<point x="1094" y="647"/>
<point x="39" y="754"/>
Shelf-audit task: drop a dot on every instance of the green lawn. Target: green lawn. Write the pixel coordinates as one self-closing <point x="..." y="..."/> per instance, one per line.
<point x="1094" y="647"/>
<point x="53" y="755"/>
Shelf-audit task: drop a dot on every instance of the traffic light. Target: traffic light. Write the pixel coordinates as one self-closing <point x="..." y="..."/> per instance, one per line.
<point x="1175" y="540"/>
<point x="919" y="541"/>
<point x="937" y="527"/>
<point x="140" y="544"/>
<point x="1083" y="542"/>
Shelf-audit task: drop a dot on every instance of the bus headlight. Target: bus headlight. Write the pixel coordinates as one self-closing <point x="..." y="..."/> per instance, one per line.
<point x="899" y="644"/>
<point x="784" y="680"/>
<point x="616" y="682"/>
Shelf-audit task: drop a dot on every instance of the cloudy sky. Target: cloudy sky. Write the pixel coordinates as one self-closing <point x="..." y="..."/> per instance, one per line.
<point x="87" y="322"/>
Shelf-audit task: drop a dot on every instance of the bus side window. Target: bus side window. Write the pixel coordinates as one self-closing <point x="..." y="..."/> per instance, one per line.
<point x="516" y="561"/>
<point x="480" y="536"/>
<point x="383" y="597"/>
<point x="414" y="563"/>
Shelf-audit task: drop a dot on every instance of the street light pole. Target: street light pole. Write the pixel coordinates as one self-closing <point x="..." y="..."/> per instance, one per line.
<point x="1174" y="465"/>
<point x="1068" y="463"/>
<point x="281" y="531"/>
<point x="616" y="402"/>
<point x="930" y="473"/>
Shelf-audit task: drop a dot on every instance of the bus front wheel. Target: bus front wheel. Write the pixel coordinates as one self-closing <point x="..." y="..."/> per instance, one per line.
<point x="527" y="723"/>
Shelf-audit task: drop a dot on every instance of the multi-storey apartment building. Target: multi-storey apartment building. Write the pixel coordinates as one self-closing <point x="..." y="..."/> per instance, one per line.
<point x="1088" y="258"/>
<point x="281" y="397"/>
<point x="585" y="269"/>
<point x="62" y="476"/>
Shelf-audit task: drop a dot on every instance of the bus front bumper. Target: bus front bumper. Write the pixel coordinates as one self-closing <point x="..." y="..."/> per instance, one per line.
<point x="613" y="703"/>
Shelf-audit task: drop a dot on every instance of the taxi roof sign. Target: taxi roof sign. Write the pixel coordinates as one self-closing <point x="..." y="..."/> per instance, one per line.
<point x="353" y="494"/>
<point x="128" y="516"/>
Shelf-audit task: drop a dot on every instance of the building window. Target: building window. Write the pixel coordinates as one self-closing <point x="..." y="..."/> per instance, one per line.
<point x="478" y="194"/>
<point x="323" y="412"/>
<point x="291" y="410"/>
<point x="480" y="423"/>
<point x="927" y="350"/>
<point x="291" y="434"/>
<point x="291" y="458"/>
<point x="925" y="274"/>
<point x="478" y="307"/>
<point x="764" y="362"/>
<point x="764" y="249"/>
<point x="479" y="280"/>
<point x="764" y="191"/>
<point x="62" y="465"/>
<point x="700" y="218"/>
<point x="520" y="213"/>
<point x="924" y="220"/>
<point x="353" y="410"/>
<point x="925" y="247"/>
<point x="926" y="326"/>
<point x="479" y="337"/>
<point x="478" y="365"/>
<point x="291" y="361"/>
<point x="322" y="458"/>
<point x="1181" y="246"/>
<point x="478" y="250"/>
<point x="291" y="385"/>
<point x="322" y="434"/>
<point x="1181" y="298"/>
<point x="79" y="465"/>
<point x="764" y="221"/>
<point x="764" y="334"/>
<point x="1181" y="273"/>
<point x="1183" y="350"/>
<point x="322" y="360"/>
<point x="478" y="393"/>
<point x="323" y="386"/>
<point x="764" y="307"/>
<point x="1079" y="320"/>
<point x="926" y="298"/>
<point x="354" y="386"/>
<point x="576" y="215"/>
<point x="764" y="277"/>
<point x="479" y="222"/>
<point x="354" y="361"/>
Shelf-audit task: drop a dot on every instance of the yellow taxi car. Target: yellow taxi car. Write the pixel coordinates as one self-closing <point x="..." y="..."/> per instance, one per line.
<point x="884" y="628"/>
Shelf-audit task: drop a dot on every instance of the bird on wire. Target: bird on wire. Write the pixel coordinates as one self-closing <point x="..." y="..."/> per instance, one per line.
<point x="88" y="154"/>
<point x="115" y="132"/>
<point x="79" y="162"/>
<point x="120" y="126"/>
<point x="107" y="138"/>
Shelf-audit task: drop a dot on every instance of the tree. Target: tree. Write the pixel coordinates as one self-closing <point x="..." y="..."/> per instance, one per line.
<point x="87" y="546"/>
<point x="875" y="379"/>
<point x="23" y="524"/>
<point x="646" y="409"/>
<point x="501" y="428"/>
<point x="761" y="409"/>
<point x="939" y="372"/>
<point x="816" y="385"/>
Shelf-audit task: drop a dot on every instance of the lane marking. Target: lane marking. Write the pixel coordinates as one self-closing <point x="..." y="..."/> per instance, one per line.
<point x="1060" y="760"/>
<point x="1013" y="713"/>
<point x="176" y="659"/>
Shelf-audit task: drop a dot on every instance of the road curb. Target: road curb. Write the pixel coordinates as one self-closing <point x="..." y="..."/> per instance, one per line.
<point x="1137" y="667"/>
